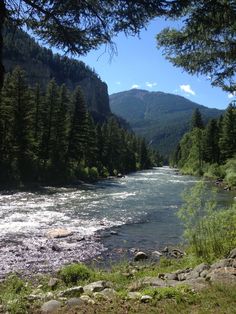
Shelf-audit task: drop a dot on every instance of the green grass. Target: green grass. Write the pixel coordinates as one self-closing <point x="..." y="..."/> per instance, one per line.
<point x="180" y="299"/>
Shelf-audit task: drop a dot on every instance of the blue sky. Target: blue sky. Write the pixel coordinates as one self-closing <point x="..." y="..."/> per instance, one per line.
<point x="140" y="64"/>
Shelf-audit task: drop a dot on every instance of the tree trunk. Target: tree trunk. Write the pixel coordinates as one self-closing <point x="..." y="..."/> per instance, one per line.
<point x="2" y="20"/>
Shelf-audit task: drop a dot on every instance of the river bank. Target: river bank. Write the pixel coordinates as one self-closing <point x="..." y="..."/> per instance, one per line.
<point x="180" y="285"/>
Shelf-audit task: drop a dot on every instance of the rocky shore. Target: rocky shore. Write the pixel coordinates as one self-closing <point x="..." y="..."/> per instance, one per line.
<point x="132" y="285"/>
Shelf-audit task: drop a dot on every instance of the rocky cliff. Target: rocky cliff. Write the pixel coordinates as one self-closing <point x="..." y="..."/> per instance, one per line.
<point x="41" y="65"/>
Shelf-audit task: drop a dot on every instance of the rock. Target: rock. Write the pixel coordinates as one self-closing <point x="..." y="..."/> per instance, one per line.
<point x="140" y="256"/>
<point x="165" y="250"/>
<point x="176" y="253"/>
<point x="113" y="232"/>
<point x="232" y="253"/>
<point x="51" y="306"/>
<point x="154" y="282"/>
<point x="108" y="293"/>
<point x="196" y="284"/>
<point x="96" y="286"/>
<point x="56" y="247"/>
<point x="59" y="233"/>
<point x="87" y="299"/>
<point x="226" y="275"/>
<point x="204" y="273"/>
<point x="222" y="263"/>
<point x="201" y="267"/>
<point x="74" y="302"/>
<point x="171" y="276"/>
<point x="156" y="254"/>
<point x="53" y="282"/>
<point x="72" y="292"/>
<point x="146" y="298"/>
<point x="134" y="295"/>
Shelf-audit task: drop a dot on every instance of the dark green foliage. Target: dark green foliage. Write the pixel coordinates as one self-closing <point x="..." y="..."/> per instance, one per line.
<point x="50" y="138"/>
<point x="73" y="273"/>
<point x="196" y="121"/>
<point x="205" y="44"/>
<point x="78" y="127"/>
<point x="228" y="135"/>
<point x="211" y="151"/>
<point x="211" y="142"/>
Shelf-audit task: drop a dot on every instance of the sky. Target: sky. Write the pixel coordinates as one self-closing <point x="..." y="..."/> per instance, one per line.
<point x="139" y="64"/>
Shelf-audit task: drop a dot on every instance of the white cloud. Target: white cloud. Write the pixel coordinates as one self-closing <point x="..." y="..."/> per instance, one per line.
<point x="135" y="86"/>
<point x="187" y="89"/>
<point x="151" y="85"/>
<point x="118" y="83"/>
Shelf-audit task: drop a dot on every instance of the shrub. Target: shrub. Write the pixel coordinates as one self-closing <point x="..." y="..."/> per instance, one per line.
<point x="93" y="174"/>
<point x="73" y="273"/>
<point x="230" y="170"/>
<point x="211" y="232"/>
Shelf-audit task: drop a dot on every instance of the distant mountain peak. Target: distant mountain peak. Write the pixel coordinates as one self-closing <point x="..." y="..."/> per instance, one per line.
<point x="162" y="118"/>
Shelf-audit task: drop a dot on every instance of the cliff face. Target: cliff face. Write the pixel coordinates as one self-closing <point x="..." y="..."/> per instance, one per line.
<point x="42" y="65"/>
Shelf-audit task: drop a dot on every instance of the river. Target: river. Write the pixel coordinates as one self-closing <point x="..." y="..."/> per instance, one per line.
<point x="111" y="216"/>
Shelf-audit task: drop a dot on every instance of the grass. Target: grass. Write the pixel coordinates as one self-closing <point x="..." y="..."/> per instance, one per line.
<point x="14" y="291"/>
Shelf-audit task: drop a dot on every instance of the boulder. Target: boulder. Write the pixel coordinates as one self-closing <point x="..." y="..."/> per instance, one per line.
<point x="226" y="275"/>
<point x="96" y="286"/>
<point x="74" y="302"/>
<point x="51" y="306"/>
<point x="227" y="262"/>
<point x="107" y="293"/>
<point x="140" y="256"/>
<point x="87" y="299"/>
<point x="59" y="233"/>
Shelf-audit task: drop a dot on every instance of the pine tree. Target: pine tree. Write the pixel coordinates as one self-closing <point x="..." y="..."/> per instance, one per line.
<point x="145" y="162"/>
<point x="60" y="129"/>
<point x="91" y="148"/>
<point x="78" y="127"/>
<point x="228" y="136"/>
<point x="50" y="106"/>
<point x="21" y="100"/>
<point x="196" y="121"/>
<point x="211" y="142"/>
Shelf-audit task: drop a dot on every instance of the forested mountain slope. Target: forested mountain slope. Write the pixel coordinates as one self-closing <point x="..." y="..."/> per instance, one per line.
<point x="160" y="117"/>
<point x="42" y="65"/>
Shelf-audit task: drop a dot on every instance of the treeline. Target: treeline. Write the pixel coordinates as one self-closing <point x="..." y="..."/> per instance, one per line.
<point x="50" y="138"/>
<point x="209" y="150"/>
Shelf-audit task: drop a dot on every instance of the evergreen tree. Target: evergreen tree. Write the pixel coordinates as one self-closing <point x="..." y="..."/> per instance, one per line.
<point x="78" y="128"/>
<point x="21" y="100"/>
<point x="6" y="133"/>
<point x="211" y="142"/>
<point x="91" y="145"/>
<point x="196" y="121"/>
<point x="145" y="162"/>
<point x="228" y="135"/>
<point x="50" y="106"/>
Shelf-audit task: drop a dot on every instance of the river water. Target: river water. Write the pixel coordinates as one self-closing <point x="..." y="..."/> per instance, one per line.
<point x="137" y="211"/>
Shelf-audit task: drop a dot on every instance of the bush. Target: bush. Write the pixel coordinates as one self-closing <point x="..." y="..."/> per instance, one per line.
<point x="93" y="174"/>
<point x="75" y="272"/>
<point x="214" y="171"/>
<point x="230" y="172"/>
<point x="211" y="232"/>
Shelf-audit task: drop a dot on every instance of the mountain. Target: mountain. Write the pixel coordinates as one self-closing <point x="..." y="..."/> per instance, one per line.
<point x="160" y="117"/>
<point x="42" y="65"/>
